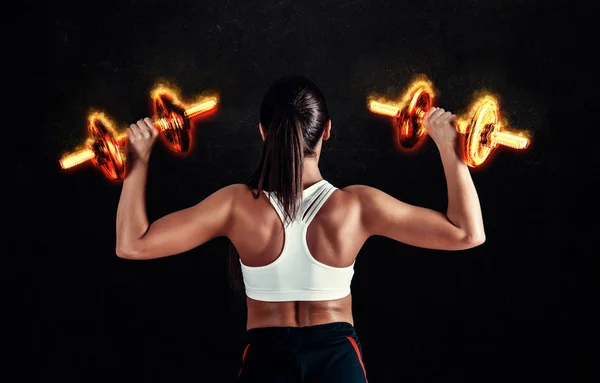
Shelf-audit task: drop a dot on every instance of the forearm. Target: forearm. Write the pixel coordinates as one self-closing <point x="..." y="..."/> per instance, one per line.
<point x="464" y="210"/>
<point x="132" y="220"/>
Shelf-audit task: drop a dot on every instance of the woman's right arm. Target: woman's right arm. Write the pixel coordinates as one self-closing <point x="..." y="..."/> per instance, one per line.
<point x="462" y="225"/>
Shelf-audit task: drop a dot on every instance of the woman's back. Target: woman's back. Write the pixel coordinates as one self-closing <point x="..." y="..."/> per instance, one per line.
<point x="333" y="237"/>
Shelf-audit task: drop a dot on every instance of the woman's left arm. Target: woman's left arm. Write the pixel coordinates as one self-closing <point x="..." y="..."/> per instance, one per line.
<point x="174" y="233"/>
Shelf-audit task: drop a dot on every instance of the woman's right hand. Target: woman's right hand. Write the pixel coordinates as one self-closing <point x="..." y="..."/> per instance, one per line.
<point x="441" y="127"/>
<point x="141" y="138"/>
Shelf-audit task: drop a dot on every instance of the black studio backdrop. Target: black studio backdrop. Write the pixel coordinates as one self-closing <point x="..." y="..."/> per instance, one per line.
<point x="495" y="313"/>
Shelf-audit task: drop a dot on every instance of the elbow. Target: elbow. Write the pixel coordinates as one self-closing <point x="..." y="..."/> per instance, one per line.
<point x="475" y="239"/>
<point x="126" y="252"/>
<point x="122" y="253"/>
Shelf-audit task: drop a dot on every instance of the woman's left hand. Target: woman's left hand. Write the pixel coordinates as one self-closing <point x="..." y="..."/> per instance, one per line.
<point x="142" y="136"/>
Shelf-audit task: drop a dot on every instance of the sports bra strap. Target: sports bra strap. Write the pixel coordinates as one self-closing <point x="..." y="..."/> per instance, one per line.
<point x="317" y="200"/>
<point x="276" y="205"/>
<point x="311" y="203"/>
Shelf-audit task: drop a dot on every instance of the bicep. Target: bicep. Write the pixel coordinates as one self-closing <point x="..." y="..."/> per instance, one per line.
<point x="384" y="215"/>
<point x="186" y="229"/>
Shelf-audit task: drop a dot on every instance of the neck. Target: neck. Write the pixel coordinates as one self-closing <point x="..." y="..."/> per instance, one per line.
<point x="310" y="173"/>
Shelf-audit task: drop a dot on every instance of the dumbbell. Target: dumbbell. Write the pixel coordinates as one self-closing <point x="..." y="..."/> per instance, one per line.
<point x="106" y="149"/>
<point x="479" y="134"/>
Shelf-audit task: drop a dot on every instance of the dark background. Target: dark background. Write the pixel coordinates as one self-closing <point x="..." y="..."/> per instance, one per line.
<point x="513" y="309"/>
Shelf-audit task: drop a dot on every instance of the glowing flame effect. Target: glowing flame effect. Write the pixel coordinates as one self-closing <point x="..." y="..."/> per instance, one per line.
<point x="203" y="104"/>
<point x="407" y="112"/>
<point x="386" y="107"/>
<point x="480" y="131"/>
<point x="103" y="145"/>
<point x="76" y="158"/>
<point x="484" y="115"/>
<point x="510" y="140"/>
<point x="483" y="132"/>
<point x="201" y="108"/>
<point x="87" y="154"/>
<point x="173" y="118"/>
<point x="386" y="110"/>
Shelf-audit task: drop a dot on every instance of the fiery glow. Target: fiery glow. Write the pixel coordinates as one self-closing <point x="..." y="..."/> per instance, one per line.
<point x="509" y="139"/>
<point x="173" y="118"/>
<point x="107" y="122"/>
<point x="480" y="102"/>
<point x="76" y="158"/>
<point x="483" y="132"/>
<point x="419" y="82"/>
<point x="480" y="129"/>
<point x="483" y="117"/>
<point x="109" y="156"/>
<point x="202" y="105"/>
<point x="200" y="108"/>
<point x="102" y="149"/>
<point x="104" y="146"/>
<point x="408" y="112"/>
<point x="411" y="131"/>
<point x="164" y="89"/>
<point x="87" y="154"/>
<point x="386" y="110"/>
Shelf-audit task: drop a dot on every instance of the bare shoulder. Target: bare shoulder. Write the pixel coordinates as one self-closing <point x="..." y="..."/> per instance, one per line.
<point x="225" y="196"/>
<point x="361" y="193"/>
<point x="236" y="188"/>
<point x="354" y="196"/>
<point x="357" y="189"/>
<point x="235" y="191"/>
<point x="243" y="196"/>
<point x="373" y="203"/>
<point x="231" y="190"/>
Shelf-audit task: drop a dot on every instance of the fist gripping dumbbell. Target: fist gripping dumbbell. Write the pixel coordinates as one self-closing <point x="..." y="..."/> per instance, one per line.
<point x="106" y="149"/>
<point x="479" y="134"/>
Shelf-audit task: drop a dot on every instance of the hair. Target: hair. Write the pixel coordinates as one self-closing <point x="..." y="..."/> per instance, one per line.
<point x="293" y="114"/>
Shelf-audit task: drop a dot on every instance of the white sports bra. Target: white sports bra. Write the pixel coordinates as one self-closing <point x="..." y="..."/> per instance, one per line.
<point x="295" y="275"/>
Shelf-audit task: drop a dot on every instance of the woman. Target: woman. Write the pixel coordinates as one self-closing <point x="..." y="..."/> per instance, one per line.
<point x="297" y="235"/>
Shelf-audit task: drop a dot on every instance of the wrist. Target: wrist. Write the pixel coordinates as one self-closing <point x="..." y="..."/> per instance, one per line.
<point x="142" y="158"/>
<point x="450" y="153"/>
<point x="139" y="162"/>
<point x="446" y="149"/>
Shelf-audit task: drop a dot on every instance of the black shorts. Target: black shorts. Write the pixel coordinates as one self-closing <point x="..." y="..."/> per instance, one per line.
<point x="323" y="353"/>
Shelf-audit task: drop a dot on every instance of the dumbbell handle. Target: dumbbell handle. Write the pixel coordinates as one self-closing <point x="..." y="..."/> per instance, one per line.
<point x="496" y="138"/>
<point x="87" y="154"/>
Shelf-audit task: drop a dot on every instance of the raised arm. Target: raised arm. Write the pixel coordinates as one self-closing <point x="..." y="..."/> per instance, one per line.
<point x="462" y="225"/>
<point x="174" y="233"/>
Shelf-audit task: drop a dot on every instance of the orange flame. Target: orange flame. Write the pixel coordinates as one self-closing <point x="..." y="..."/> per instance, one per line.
<point x="484" y="102"/>
<point x="201" y="108"/>
<point x="385" y="109"/>
<point x="498" y="136"/>
<point x="204" y="105"/>
<point x="483" y="131"/>
<point x="76" y="158"/>
<point x="381" y="105"/>
<point x="509" y="139"/>
<point x="81" y="156"/>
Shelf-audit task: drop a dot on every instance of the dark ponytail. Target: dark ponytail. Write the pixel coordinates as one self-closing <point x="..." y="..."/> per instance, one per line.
<point x="281" y="162"/>
<point x="293" y="114"/>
